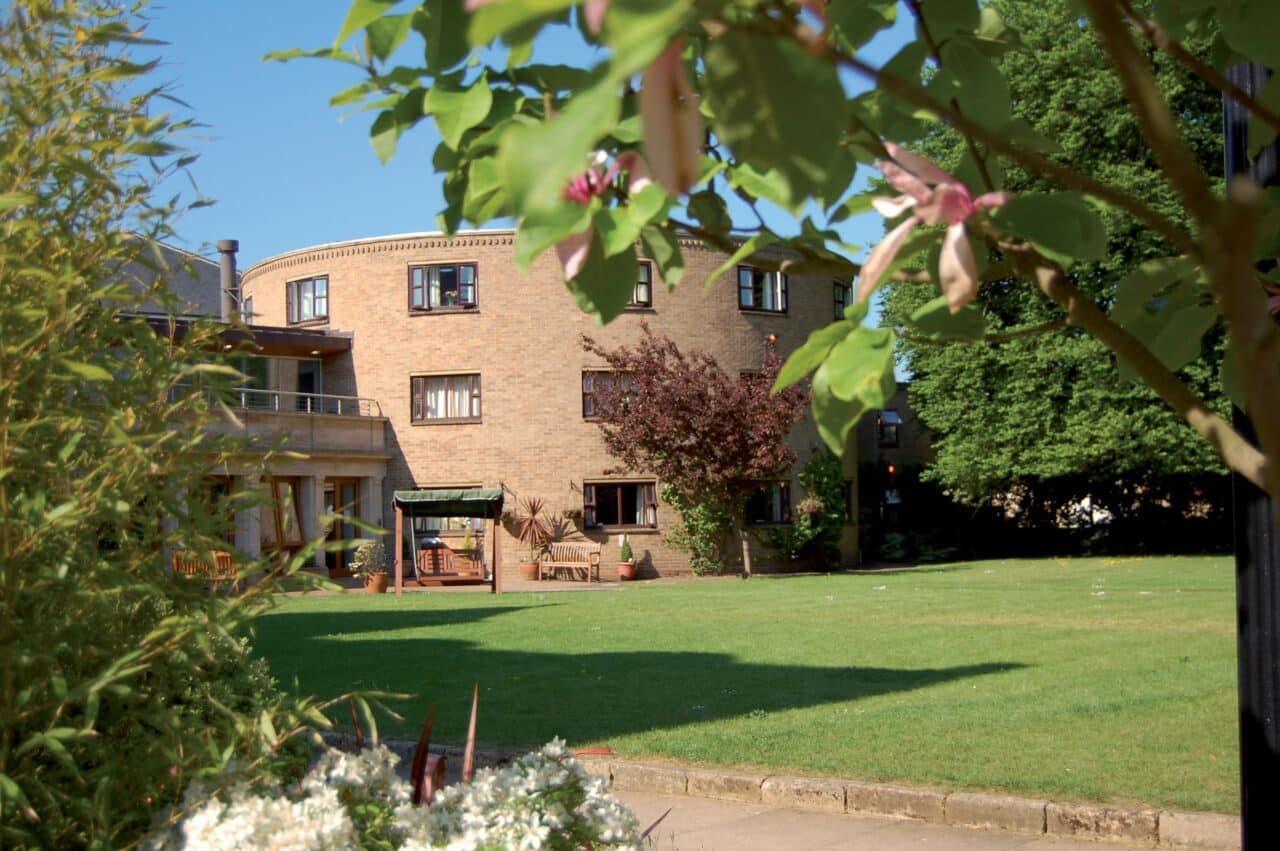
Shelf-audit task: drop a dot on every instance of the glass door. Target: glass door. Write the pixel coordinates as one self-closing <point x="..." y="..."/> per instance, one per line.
<point x="341" y="498"/>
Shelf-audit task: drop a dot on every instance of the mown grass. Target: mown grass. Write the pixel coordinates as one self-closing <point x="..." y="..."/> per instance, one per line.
<point x="1093" y="679"/>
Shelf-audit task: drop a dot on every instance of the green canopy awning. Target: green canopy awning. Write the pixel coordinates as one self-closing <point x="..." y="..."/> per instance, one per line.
<point x="459" y="502"/>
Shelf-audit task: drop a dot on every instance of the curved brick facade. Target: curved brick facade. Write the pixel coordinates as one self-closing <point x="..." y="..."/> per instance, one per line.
<point x="523" y="339"/>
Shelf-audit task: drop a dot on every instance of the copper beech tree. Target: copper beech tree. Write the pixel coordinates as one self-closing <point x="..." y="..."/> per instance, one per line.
<point x="710" y="437"/>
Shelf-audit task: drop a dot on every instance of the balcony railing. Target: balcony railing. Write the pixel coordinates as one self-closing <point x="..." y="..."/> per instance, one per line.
<point x="284" y="401"/>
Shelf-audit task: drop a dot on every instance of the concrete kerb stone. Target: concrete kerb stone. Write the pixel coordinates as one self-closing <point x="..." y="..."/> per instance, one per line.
<point x="1167" y="829"/>
<point x="1199" y="830"/>
<point x="1096" y="821"/>
<point x="804" y="793"/>
<point x="903" y="801"/>
<point x="726" y="786"/>
<point x="996" y="812"/>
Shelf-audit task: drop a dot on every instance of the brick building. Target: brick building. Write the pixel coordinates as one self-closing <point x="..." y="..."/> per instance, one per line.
<point x="458" y="370"/>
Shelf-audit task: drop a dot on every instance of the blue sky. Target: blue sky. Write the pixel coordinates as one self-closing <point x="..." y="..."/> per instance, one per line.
<point x="286" y="169"/>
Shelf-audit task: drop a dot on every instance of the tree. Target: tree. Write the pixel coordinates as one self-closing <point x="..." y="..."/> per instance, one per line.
<point x="117" y="684"/>
<point x="709" y="437"/>
<point x="1050" y="413"/>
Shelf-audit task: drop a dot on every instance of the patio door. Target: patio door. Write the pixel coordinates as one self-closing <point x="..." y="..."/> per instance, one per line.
<point x="341" y="497"/>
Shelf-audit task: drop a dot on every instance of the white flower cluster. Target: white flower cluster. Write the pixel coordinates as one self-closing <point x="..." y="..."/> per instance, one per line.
<point x="544" y="800"/>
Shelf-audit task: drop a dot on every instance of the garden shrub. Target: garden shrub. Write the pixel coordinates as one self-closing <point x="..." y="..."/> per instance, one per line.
<point x="118" y="684"/>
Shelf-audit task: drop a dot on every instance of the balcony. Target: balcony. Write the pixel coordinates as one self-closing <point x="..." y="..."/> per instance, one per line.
<point x="313" y="423"/>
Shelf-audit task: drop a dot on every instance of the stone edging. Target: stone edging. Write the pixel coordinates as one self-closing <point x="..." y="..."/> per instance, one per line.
<point x="1162" y="828"/>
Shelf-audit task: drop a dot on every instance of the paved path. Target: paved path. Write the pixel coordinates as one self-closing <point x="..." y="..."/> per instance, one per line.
<point x="701" y="824"/>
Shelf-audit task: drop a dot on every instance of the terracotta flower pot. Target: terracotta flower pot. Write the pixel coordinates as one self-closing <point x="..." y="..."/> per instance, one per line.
<point x="529" y="570"/>
<point x="626" y="570"/>
<point x="375" y="583"/>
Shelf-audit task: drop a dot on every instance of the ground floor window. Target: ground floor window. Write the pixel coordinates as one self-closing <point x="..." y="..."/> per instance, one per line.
<point x="282" y="525"/>
<point x="619" y="504"/>
<point x="770" y="503"/>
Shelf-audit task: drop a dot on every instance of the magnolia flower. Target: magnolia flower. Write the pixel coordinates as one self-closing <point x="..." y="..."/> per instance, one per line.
<point x="669" y="116"/>
<point x="934" y="196"/>
<point x="573" y="249"/>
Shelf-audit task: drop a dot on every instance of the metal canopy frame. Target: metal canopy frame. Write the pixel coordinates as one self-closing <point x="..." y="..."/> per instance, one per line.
<point x="485" y="503"/>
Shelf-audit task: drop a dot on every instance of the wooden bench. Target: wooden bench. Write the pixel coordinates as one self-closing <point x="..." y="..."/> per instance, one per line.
<point x="192" y="565"/>
<point x="572" y="557"/>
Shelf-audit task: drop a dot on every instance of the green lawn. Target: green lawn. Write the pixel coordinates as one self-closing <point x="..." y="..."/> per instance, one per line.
<point x="1094" y="679"/>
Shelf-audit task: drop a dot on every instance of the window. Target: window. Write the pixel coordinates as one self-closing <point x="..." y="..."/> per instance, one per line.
<point x="307" y="300"/>
<point x="445" y="398"/>
<point x="246" y="311"/>
<point x="761" y="290"/>
<point x="619" y="504"/>
<point x="643" y="294"/>
<point x="840" y="296"/>
<point x="771" y="503"/>
<point x="887" y="427"/>
<point x="593" y="380"/>
<point x="442" y="286"/>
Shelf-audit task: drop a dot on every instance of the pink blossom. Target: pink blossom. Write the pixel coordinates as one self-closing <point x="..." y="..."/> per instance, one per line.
<point x="935" y="197"/>
<point x="573" y="249"/>
<point x="669" y="115"/>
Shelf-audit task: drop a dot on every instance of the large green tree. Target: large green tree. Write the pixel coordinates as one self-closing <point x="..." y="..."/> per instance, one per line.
<point x="1054" y="413"/>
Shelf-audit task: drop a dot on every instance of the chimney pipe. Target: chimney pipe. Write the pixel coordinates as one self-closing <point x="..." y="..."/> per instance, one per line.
<point x="228" y="284"/>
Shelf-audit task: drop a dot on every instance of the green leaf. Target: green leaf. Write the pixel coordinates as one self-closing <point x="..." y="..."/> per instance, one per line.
<point x="386" y="129"/>
<point x="1141" y="284"/>
<point x="616" y="228"/>
<point x="935" y="319"/>
<point x="495" y="19"/>
<point x="857" y="366"/>
<point x="443" y="27"/>
<point x="639" y="30"/>
<point x="13" y="200"/>
<point x="385" y="34"/>
<point x="537" y="161"/>
<point x="947" y="17"/>
<point x="776" y="106"/>
<point x="1260" y="133"/>
<point x="710" y="211"/>
<point x="856" y="21"/>
<point x="1179" y="342"/>
<point x="457" y="110"/>
<point x="811" y="355"/>
<point x="662" y="246"/>
<point x="1250" y="26"/>
<point x="89" y="371"/>
<point x="542" y="229"/>
<point x="834" y="417"/>
<point x="1061" y="225"/>
<point x="606" y="284"/>
<point x="751" y="246"/>
<point x="1232" y="379"/>
<point x="771" y="185"/>
<point x="361" y="14"/>
<point x="983" y="94"/>
<point x="485" y="198"/>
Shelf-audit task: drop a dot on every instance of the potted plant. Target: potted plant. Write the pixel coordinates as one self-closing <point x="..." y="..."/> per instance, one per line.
<point x="370" y="564"/>
<point x="532" y="530"/>
<point x="626" y="561"/>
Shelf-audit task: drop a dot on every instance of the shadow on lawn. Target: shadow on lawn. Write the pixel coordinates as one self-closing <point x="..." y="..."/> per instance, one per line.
<point x="293" y="626"/>
<point x="592" y="696"/>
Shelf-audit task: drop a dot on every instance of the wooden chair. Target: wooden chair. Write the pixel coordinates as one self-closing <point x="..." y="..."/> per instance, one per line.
<point x="192" y="565"/>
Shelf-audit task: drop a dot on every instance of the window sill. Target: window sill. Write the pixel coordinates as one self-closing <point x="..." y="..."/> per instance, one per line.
<point x="444" y="308"/>
<point x="762" y="311"/>
<point x="310" y="323"/>
<point x="640" y="308"/>
<point x="451" y="421"/>
<point x="628" y="529"/>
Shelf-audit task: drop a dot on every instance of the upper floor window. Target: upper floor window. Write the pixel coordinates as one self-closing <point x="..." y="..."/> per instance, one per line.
<point x="643" y="295"/>
<point x="442" y="286"/>
<point x="592" y="381"/>
<point x="307" y="300"/>
<point x="619" y="504"/>
<point x="840" y="298"/>
<point x="771" y="503"/>
<point x="445" y="398"/>
<point x="887" y="427"/>
<point x="246" y="311"/>
<point x="761" y="290"/>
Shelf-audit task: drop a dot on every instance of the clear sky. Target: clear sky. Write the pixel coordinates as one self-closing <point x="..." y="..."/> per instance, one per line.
<point x="286" y="169"/>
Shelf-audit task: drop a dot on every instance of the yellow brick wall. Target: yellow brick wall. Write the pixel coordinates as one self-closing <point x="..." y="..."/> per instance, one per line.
<point x="525" y="342"/>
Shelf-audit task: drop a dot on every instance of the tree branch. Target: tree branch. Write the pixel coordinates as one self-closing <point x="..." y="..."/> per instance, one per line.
<point x="1156" y="34"/>
<point x="1238" y="453"/>
<point x="1001" y="337"/>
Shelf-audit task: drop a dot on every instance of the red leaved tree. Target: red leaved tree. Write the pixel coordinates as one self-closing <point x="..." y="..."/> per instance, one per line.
<point x="709" y="437"/>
